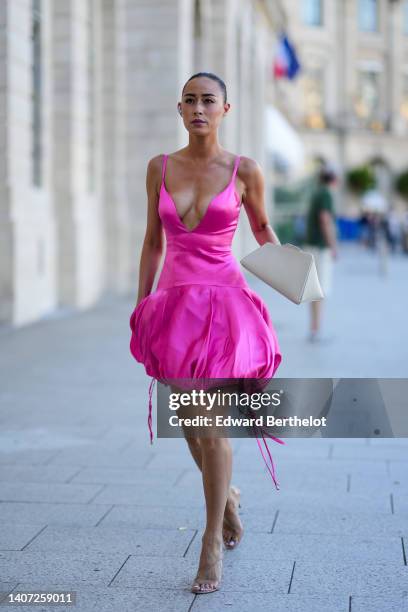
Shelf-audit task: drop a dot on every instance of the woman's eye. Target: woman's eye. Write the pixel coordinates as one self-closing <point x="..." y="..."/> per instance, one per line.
<point x="206" y="100"/>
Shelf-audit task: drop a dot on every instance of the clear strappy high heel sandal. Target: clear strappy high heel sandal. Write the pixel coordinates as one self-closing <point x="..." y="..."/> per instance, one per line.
<point x="203" y="585"/>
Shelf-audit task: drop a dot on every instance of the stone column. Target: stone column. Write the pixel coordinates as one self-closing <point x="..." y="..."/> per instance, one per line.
<point x="27" y="234"/>
<point x="156" y="50"/>
<point x="80" y="272"/>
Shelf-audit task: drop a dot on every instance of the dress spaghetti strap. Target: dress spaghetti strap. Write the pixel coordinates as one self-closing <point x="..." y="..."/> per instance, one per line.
<point x="164" y="163"/>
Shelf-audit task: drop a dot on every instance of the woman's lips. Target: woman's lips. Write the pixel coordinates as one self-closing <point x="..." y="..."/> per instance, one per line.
<point x="198" y="122"/>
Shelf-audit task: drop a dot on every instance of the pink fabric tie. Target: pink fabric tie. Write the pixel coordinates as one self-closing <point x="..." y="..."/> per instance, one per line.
<point x="271" y="468"/>
<point x="149" y="418"/>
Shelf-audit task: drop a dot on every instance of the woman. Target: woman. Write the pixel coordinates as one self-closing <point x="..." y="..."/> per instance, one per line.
<point x="203" y="322"/>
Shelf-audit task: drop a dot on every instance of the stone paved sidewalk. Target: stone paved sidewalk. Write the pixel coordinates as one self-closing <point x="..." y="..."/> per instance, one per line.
<point x="86" y="504"/>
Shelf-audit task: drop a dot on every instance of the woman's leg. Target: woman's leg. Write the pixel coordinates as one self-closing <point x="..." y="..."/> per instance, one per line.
<point x="213" y="455"/>
<point x="232" y="526"/>
<point x="315" y="316"/>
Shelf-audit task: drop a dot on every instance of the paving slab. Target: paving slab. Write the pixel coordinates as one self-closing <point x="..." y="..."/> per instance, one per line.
<point x="399" y="471"/>
<point x="108" y="599"/>
<point x="339" y="465"/>
<point x="63" y="568"/>
<point x="5" y="588"/>
<point x="282" y="451"/>
<point x="114" y="538"/>
<point x="400" y="501"/>
<point x="135" y="476"/>
<point x="359" y="483"/>
<point x="341" y="548"/>
<point x="134" y="495"/>
<point x="394" y="442"/>
<point x="368" y="579"/>
<point x="313" y="499"/>
<point x="168" y="573"/>
<point x="326" y="521"/>
<point x="156" y="517"/>
<point x="370" y="453"/>
<point x="168" y="461"/>
<point x="49" y="492"/>
<point x="16" y="536"/>
<point x="268" y="602"/>
<point x="97" y="455"/>
<point x="53" y="514"/>
<point x="47" y="436"/>
<point x="379" y="603"/>
<point x="297" y="479"/>
<point x="44" y="473"/>
<point x="30" y="457"/>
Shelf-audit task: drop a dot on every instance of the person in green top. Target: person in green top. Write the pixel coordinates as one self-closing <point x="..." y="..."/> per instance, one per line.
<point x="321" y="242"/>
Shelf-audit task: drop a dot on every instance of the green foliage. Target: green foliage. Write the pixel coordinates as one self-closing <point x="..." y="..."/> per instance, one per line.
<point x="285" y="231"/>
<point x="294" y="196"/>
<point x="401" y="184"/>
<point x="361" y="179"/>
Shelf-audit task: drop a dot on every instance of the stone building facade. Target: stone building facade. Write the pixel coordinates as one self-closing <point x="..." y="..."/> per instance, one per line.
<point x="88" y="93"/>
<point x="350" y="102"/>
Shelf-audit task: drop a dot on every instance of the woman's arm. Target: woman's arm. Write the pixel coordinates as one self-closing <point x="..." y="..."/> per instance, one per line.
<point x="253" y="198"/>
<point x="153" y="241"/>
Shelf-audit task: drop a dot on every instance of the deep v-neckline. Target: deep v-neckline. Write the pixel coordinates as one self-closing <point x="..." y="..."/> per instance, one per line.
<point x="163" y="186"/>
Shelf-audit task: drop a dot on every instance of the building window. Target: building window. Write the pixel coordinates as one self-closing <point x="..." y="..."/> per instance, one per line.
<point x="36" y="101"/>
<point x="197" y="37"/>
<point x="367" y="106"/>
<point x="313" y="95"/>
<point x="405" y="17"/>
<point x="312" y="11"/>
<point x="368" y="15"/>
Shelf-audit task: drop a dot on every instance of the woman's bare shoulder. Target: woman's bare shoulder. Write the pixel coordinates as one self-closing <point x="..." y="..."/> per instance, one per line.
<point x="248" y="167"/>
<point x="154" y="173"/>
<point x="155" y="162"/>
<point x="250" y="173"/>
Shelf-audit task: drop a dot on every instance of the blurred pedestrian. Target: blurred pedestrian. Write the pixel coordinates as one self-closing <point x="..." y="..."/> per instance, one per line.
<point x="404" y="233"/>
<point x="394" y="230"/>
<point x="321" y="241"/>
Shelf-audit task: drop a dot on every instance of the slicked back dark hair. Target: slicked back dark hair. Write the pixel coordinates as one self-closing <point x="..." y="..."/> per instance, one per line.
<point x="214" y="77"/>
<point x="327" y="176"/>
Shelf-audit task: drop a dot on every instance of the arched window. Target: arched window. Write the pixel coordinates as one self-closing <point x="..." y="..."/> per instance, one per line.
<point x="368" y="15"/>
<point x="36" y="102"/>
<point x="312" y="12"/>
<point x="405" y="17"/>
<point x="198" y="37"/>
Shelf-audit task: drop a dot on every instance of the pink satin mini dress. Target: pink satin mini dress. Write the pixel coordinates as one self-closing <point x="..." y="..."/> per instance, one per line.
<point x="203" y="321"/>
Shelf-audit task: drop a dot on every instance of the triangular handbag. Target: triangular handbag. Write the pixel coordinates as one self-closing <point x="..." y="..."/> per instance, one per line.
<point x="287" y="269"/>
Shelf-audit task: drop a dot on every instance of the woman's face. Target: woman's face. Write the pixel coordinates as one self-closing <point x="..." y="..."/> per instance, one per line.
<point x="202" y="105"/>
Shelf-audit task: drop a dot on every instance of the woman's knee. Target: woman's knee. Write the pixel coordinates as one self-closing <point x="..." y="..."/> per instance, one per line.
<point x="213" y="443"/>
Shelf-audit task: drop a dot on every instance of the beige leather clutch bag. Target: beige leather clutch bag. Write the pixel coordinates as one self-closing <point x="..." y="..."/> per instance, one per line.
<point x="287" y="269"/>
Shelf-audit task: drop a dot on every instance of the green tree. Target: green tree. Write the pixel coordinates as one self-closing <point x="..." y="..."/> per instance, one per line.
<point x="361" y="179"/>
<point x="401" y="184"/>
